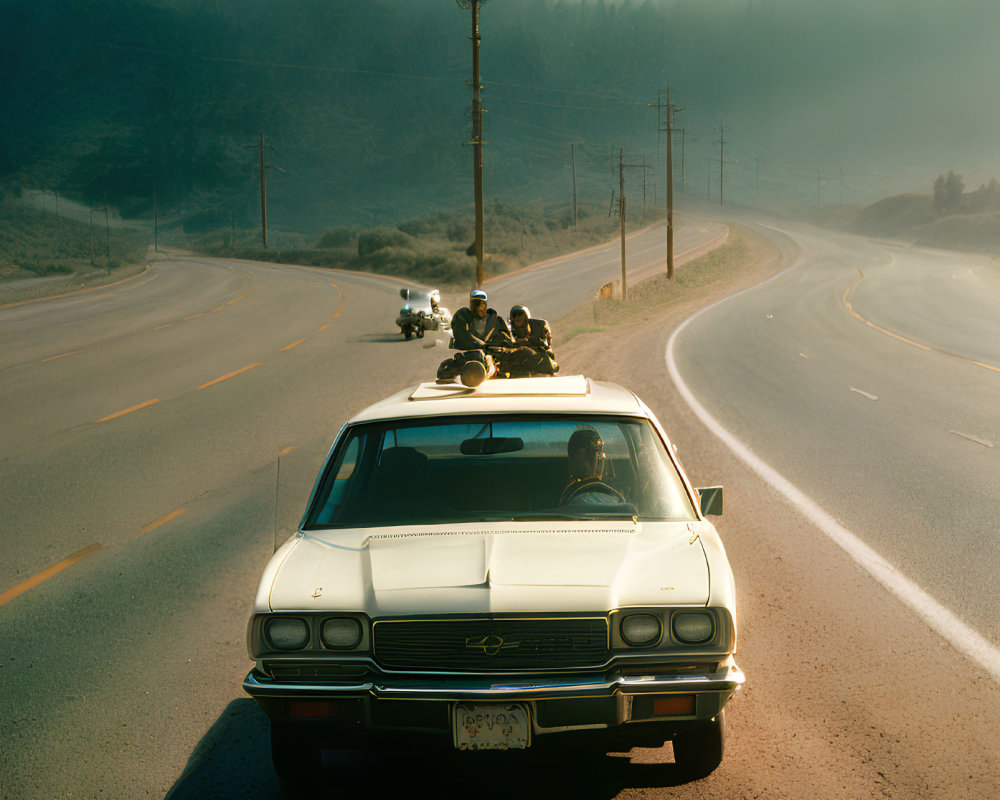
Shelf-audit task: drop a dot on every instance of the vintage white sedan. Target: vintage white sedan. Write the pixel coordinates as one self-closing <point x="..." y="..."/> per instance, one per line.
<point x="518" y="565"/>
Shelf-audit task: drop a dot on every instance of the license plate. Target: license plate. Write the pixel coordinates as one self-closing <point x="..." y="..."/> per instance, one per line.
<point x="492" y="727"/>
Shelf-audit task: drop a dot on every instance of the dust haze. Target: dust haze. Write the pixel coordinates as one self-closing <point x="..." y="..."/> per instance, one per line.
<point x="365" y="106"/>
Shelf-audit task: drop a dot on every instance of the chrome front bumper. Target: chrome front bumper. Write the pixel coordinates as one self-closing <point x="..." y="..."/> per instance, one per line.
<point x="727" y="679"/>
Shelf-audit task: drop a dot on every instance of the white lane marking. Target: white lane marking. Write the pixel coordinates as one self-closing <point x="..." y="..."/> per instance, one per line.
<point x="977" y="440"/>
<point x="944" y="622"/>
<point x="864" y="394"/>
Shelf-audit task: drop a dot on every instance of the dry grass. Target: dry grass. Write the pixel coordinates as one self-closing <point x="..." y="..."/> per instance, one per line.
<point x="653" y="294"/>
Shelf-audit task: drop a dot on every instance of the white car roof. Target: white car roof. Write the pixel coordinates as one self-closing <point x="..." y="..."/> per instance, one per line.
<point x="555" y="395"/>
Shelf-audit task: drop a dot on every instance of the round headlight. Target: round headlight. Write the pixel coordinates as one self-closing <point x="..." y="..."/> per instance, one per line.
<point x="341" y="632"/>
<point x="641" y="629"/>
<point x="287" y="633"/>
<point x="694" y="628"/>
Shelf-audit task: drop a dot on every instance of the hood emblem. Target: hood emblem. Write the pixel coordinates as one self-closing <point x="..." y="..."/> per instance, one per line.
<point x="490" y="644"/>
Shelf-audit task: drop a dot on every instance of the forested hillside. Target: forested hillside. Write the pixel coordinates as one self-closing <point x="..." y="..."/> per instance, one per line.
<point x="364" y="105"/>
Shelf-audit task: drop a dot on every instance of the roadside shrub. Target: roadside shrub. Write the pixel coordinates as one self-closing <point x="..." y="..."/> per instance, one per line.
<point x="338" y="237"/>
<point x="372" y="241"/>
<point x="424" y="226"/>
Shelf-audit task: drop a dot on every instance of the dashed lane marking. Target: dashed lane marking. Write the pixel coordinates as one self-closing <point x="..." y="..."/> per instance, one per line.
<point x="232" y="374"/>
<point x="161" y="521"/>
<point x="971" y="438"/>
<point x="61" y="355"/>
<point x="45" y="574"/>
<point x="125" y="411"/>
<point x="962" y="636"/>
<point x="864" y="394"/>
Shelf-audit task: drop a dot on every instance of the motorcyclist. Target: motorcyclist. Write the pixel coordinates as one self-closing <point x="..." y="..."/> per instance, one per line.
<point x="474" y="329"/>
<point x="533" y="338"/>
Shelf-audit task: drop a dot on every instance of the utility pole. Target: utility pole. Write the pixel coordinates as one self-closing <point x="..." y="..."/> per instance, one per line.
<point x="107" y="227"/>
<point x="621" y="207"/>
<point x="670" y="178"/>
<point x="683" y="133"/>
<point x="722" y="162"/>
<point x="263" y="193"/>
<point x="263" y="187"/>
<point x="156" y="245"/>
<point x="477" y="135"/>
<point x="572" y="150"/>
<point x="756" y="180"/>
<point x="621" y="213"/>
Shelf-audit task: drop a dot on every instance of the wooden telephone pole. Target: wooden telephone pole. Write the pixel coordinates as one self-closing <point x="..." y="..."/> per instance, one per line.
<point x="669" y="130"/>
<point x="263" y="188"/>
<point x="572" y="152"/>
<point x="263" y="193"/>
<point x="621" y="214"/>
<point x="622" y="166"/>
<point x="477" y="136"/>
<point x="722" y="162"/>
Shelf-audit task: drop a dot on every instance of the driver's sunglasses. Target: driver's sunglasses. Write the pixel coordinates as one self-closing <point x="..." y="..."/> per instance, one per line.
<point x="477" y="302"/>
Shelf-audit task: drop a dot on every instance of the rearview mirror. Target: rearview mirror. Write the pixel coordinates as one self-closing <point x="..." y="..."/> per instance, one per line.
<point x="710" y="499"/>
<point x="492" y="445"/>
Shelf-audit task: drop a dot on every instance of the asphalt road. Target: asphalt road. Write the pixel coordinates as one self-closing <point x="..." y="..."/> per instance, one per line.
<point x="159" y="436"/>
<point x="121" y="671"/>
<point x="869" y="376"/>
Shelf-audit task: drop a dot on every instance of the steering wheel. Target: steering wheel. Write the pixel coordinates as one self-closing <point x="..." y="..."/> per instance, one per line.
<point x="590" y="485"/>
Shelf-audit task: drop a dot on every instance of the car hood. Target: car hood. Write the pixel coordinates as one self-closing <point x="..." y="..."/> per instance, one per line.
<point x="491" y="568"/>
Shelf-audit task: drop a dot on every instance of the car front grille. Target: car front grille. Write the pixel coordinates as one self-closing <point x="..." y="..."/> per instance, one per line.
<point x="490" y="645"/>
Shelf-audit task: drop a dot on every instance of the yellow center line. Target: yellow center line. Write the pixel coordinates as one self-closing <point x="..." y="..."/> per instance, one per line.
<point x="161" y="521"/>
<point x="286" y="451"/>
<point x="129" y="410"/>
<point x="45" y="574"/>
<point x="236" y="300"/>
<point x="323" y="328"/>
<point x="340" y="301"/>
<point x="193" y="316"/>
<point x="230" y="375"/>
<point x="61" y="355"/>
<point x="293" y="344"/>
<point x="903" y="339"/>
<point x="161" y="327"/>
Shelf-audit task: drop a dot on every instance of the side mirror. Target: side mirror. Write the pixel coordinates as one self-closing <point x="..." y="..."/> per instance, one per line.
<point x="710" y="499"/>
<point x="404" y="293"/>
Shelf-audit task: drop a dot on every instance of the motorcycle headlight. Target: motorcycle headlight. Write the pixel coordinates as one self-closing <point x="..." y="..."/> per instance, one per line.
<point x="341" y="633"/>
<point x="693" y="627"/>
<point x="287" y="633"/>
<point x="640" y="630"/>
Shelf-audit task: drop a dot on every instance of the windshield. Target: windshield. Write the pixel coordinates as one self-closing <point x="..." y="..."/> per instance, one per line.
<point x="422" y="472"/>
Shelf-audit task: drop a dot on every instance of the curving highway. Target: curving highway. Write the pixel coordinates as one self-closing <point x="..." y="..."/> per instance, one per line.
<point x="868" y="374"/>
<point x="160" y="434"/>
